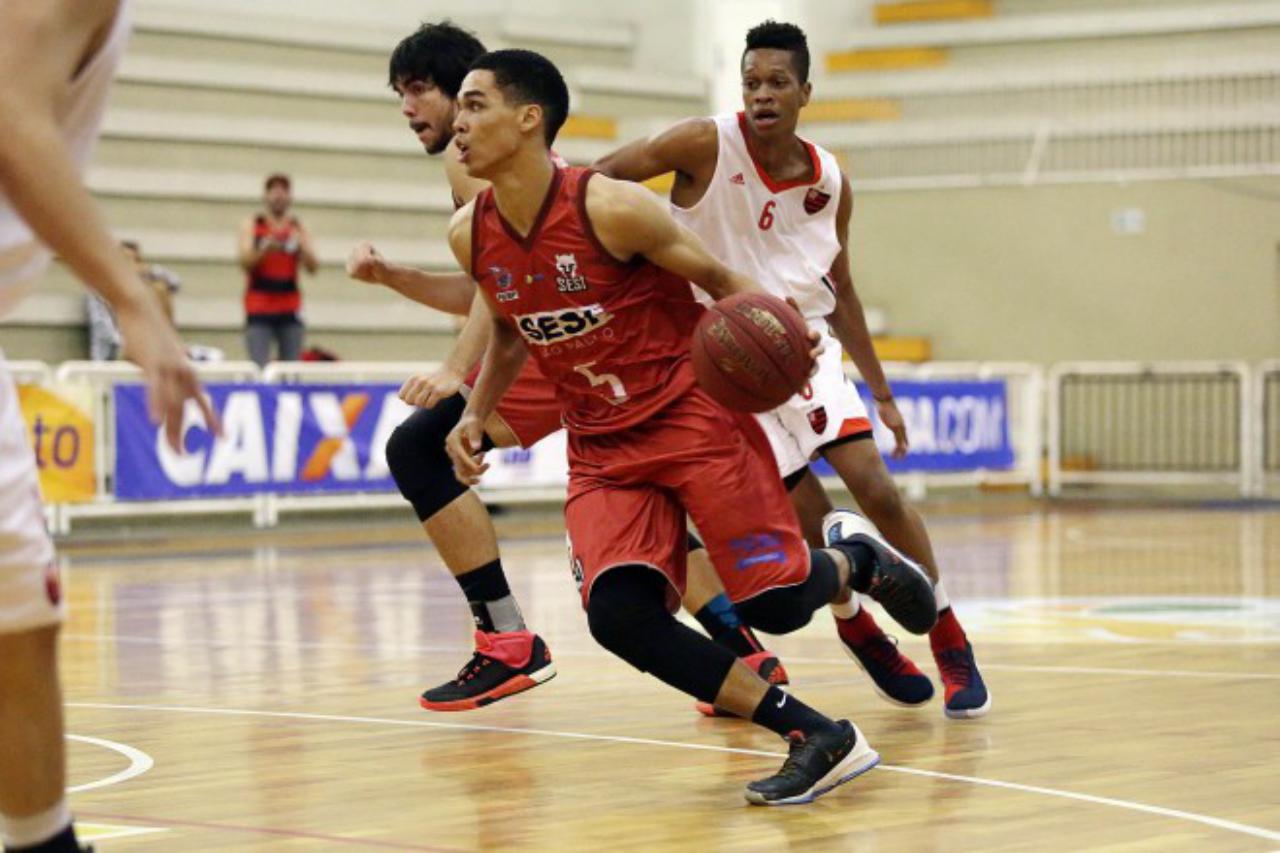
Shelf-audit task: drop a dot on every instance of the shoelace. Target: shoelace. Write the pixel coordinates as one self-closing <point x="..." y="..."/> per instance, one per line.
<point x="884" y="650"/>
<point x="956" y="665"/>
<point x="472" y="667"/>
<point x="792" y="764"/>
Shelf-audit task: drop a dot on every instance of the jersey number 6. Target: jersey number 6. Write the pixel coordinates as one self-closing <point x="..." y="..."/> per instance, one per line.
<point x="766" y="215"/>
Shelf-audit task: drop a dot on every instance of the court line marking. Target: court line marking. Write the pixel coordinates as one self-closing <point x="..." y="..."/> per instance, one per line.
<point x="139" y="763"/>
<point x="409" y="648"/>
<point x="89" y="831"/>
<point x="1160" y="811"/>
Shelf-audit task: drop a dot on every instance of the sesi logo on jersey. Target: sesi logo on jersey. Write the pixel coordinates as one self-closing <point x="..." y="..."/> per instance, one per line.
<point x="567" y="278"/>
<point x="549" y="327"/>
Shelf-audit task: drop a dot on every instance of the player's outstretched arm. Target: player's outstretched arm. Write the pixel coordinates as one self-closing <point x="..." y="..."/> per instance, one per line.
<point x="630" y="221"/>
<point x="687" y="147"/>
<point x="849" y="325"/>
<point x="43" y="46"/>
<point x="450" y="292"/>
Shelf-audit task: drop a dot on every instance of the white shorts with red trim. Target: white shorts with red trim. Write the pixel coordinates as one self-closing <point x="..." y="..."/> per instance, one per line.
<point x="30" y="593"/>
<point x="827" y="410"/>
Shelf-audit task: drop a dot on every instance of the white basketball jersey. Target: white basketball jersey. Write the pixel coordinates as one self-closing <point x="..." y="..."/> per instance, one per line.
<point x="781" y="235"/>
<point x="22" y="256"/>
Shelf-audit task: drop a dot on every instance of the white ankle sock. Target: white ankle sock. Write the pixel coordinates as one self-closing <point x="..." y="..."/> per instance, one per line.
<point x="33" y="829"/>
<point x="940" y="595"/>
<point x="849" y="609"/>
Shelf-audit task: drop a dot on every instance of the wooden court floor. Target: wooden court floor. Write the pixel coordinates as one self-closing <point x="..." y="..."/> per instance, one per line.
<point x="243" y="691"/>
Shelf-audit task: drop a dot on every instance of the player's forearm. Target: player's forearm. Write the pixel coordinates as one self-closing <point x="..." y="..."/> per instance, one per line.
<point x="472" y="339"/>
<point x="849" y="325"/>
<point x="723" y="282"/>
<point x="40" y="179"/>
<point x="630" y="163"/>
<point x="502" y="362"/>
<point x="450" y="292"/>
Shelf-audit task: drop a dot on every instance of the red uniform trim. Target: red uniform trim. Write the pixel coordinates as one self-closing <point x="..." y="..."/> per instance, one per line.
<point x="779" y="186"/>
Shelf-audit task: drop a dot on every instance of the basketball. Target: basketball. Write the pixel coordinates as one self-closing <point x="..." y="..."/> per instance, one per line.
<point x="751" y="352"/>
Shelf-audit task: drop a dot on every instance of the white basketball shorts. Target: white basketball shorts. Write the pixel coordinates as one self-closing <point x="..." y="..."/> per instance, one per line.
<point x="827" y="410"/>
<point x="30" y="591"/>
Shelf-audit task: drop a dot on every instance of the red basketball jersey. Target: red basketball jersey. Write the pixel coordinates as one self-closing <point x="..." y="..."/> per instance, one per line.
<point x="613" y="336"/>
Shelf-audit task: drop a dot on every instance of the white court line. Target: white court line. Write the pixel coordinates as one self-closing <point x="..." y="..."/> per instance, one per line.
<point x="139" y="763"/>
<point x="1207" y="820"/>
<point x="408" y="648"/>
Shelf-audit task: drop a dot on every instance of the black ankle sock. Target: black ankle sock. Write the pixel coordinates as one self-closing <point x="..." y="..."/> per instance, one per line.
<point x="862" y="560"/>
<point x="493" y="606"/>
<point x="719" y="619"/>
<point x="63" y="842"/>
<point x="783" y="713"/>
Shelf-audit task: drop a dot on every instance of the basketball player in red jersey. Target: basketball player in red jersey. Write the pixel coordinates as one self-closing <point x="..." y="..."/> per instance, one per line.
<point x="592" y="278"/>
<point x="761" y="198"/>
<point x="426" y="69"/>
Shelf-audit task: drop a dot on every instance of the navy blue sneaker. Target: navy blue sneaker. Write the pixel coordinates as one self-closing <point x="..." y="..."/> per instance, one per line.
<point x="967" y="694"/>
<point x="896" y="581"/>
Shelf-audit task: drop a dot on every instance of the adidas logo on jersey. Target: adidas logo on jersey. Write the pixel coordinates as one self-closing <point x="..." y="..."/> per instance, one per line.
<point x="738" y="179"/>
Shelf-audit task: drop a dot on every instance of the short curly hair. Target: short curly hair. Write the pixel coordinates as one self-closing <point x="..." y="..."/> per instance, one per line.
<point x="772" y="35"/>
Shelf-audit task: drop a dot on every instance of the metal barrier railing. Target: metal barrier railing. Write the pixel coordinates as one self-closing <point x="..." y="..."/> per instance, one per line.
<point x="1157" y="423"/>
<point x="1024" y="383"/>
<point x="1106" y="423"/>
<point x="1267" y="402"/>
<point x="102" y="377"/>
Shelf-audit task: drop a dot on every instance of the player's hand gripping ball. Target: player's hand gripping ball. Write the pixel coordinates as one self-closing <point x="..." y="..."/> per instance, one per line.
<point x="751" y="352"/>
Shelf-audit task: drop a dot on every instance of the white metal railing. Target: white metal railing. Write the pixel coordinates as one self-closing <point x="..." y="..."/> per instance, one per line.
<point x="1101" y="423"/>
<point x="102" y="377"/>
<point x="1160" y="423"/>
<point x="1025" y="390"/>
<point x="1266" y="424"/>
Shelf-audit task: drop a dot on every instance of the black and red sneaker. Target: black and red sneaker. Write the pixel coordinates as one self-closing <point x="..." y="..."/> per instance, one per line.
<point x="766" y="665"/>
<point x="503" y="665"/>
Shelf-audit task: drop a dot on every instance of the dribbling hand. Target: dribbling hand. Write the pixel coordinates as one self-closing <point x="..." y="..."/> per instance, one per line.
<point x="815" y="341"/>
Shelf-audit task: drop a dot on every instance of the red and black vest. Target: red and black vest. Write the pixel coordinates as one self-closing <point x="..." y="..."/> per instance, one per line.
<point x="272" y="287"/>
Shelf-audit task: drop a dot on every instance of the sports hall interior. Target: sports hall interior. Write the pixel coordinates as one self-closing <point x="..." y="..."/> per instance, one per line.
<point x="1078" y="198"/>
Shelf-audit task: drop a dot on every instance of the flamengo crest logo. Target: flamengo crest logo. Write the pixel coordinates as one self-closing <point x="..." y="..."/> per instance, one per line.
<point x="814" y="200"/>
<point x="567" y="278"/>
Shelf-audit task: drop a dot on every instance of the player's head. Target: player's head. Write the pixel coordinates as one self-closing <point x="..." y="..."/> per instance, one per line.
<point x="775" y="77"/>
<point x="510" y="99"/>
<point x="425" y="70"/>
<point x="277" y="193"/>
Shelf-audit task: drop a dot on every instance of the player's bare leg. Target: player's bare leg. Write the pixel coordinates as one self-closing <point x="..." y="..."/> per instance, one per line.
<point x="33" y="808"/>
<point x="509" y="658"/>
<point x="706" y="600"/>
<point x="863" y="471"/>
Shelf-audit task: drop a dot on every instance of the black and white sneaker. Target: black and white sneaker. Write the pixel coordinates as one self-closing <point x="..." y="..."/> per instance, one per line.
<point x="816" y="764"/>
<point x="896" y="581"/>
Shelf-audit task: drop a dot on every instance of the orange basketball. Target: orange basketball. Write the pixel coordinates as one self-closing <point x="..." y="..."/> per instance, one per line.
<point x="751" y="352"/>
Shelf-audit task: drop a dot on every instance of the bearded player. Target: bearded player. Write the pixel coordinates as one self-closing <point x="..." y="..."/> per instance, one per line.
<point x="426" y="70"/>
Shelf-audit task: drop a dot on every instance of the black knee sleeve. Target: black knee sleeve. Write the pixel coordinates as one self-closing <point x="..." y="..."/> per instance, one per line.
<point x="789" y="608"/>
<point x="627" y="614"/>
<point x="418" y="461"/>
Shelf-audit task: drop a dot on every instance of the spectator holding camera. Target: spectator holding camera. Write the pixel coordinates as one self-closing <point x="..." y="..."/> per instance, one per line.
<point x="273" y="248"/>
